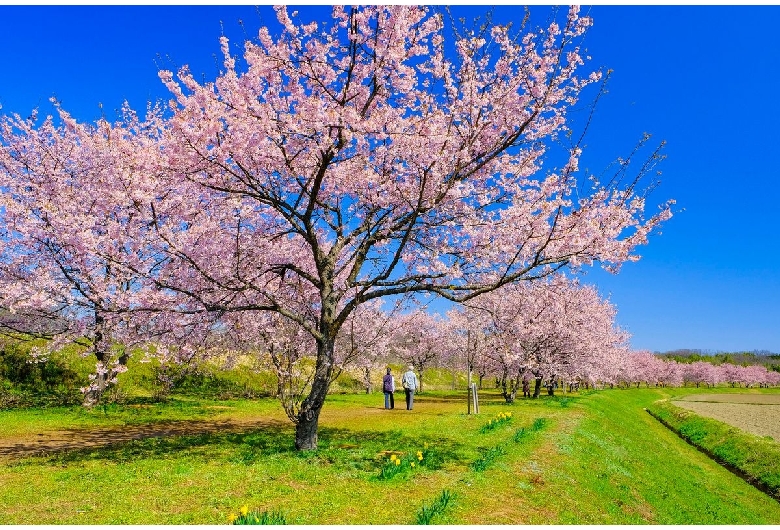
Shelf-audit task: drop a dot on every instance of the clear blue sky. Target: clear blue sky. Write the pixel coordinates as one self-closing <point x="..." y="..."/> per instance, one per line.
<point x="705" y="79"/>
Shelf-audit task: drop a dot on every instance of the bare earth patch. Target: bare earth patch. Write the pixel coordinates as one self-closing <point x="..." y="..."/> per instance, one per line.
<point x="754" y="413"/>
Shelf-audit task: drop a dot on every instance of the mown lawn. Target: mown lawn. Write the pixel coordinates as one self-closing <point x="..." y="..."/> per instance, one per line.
<point x="595" y="458"/>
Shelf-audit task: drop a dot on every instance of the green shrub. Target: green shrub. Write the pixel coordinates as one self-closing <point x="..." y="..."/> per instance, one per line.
<point x="26" y="383"/>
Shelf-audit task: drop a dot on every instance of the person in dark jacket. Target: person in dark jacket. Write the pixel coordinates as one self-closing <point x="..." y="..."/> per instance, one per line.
<point x="388" y="387"/>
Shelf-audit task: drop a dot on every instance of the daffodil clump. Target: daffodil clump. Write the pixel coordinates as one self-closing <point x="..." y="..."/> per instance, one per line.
<point x="408" y="462"/>
<point x="245" y="516"/>
<point x="502" y="418"/>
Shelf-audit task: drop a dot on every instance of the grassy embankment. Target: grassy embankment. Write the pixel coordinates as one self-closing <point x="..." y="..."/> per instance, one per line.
<point x="595" y="458"/>
<point x="755" y="458"/>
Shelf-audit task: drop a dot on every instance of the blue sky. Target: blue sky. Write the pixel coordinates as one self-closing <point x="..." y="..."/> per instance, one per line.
<point x="702" y="78"/>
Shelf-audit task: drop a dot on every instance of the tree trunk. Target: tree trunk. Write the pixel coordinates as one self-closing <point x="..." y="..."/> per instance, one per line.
<point x="306" y="437"/>
<point x="512" y="392"/>
<point x="537" y="386"/>
<point x="105" y="374"/>
<point x="92" y="396"/>
<point x="507" y="393"/>
<point x="309" y="414"/>
<point x="103" y="379"/>
<point x="95" y="392"/>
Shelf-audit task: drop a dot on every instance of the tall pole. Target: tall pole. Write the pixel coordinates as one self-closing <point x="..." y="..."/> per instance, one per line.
<point x="468" y="367"/>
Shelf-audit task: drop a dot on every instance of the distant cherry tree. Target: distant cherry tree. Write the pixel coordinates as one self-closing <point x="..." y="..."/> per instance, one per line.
<point x="554" y="329"/>
<point x="421" y="340"/>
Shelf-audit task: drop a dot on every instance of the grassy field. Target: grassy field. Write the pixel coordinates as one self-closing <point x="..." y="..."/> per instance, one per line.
<point x="591" y="458"/>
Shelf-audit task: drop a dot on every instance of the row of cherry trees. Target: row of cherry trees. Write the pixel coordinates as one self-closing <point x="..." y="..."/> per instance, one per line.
<point x="379" y="156"/>
<point x="646" y="369"/>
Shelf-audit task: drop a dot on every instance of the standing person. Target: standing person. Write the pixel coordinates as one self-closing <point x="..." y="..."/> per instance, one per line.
<point x="526" y="388"/>
<point x="409" y="382"/>
<point x="388" y="387"/>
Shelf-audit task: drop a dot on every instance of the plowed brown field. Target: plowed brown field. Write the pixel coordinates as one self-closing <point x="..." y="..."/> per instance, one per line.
<point x="755" y="413"/>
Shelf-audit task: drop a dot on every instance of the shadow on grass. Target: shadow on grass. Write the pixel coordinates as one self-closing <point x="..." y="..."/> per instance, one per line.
<point x="156" y="441"/>
<point x="361" y="452"/>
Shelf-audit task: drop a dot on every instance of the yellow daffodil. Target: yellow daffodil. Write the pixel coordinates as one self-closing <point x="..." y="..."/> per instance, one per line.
<point x="232" y="517"/>
<point x="398" y="462"/>
<point x="419" y="457"/>
<point x="244" y="510"/>
<point x="412" y="464"/>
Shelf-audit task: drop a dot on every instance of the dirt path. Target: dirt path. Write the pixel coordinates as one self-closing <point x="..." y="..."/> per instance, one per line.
<point x="49" y="442"/>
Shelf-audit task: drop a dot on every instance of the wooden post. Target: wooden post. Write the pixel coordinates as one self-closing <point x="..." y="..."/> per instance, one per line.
<point x="468" y="366"/>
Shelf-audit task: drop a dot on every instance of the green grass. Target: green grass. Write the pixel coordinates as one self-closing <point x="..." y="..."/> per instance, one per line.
<point x="597" y="458"/>
<point x="756" y="458"/>
<point x="428" y="513"/>
<point x="634" y="470"/>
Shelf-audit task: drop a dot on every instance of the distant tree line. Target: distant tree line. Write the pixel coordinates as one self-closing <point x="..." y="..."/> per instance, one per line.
<point x="765" y="358"/>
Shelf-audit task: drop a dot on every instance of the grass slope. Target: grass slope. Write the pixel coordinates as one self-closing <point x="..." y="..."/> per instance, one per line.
<point x="596" y="458"/>
<point x="755" y="458"/>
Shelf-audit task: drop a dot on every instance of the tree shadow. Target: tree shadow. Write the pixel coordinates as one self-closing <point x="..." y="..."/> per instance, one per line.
<point x="156" y="441"/>
<point x="364" y="451"/>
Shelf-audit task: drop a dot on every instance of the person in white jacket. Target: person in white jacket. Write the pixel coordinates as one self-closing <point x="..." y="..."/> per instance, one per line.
<point x="388" y="387"/>
<point x="410" y="384"/>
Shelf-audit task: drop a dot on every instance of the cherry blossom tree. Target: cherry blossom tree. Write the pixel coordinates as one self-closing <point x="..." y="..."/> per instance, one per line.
<point x="699" y="372"/>
<point x="555" y="330"/>
<point x="421" y="339"/>
<point x="337" y="164"/>
<point x="68" y="221"/>
<point x="771" y="378"/>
